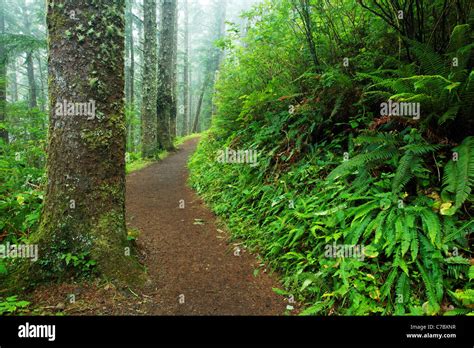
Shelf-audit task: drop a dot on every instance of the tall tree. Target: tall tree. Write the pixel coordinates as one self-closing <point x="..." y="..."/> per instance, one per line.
<point x="165" y="98"/>
<point x="205" y="84"/>
<point x="214" y="58"/>
<point x="149" y="87"/>
<point x="304" y="10"/>
<point x="3" y="75"/>
<point x="13" y="78"/>
<point x="84" y="208"/>
<point x="130" y="73"/>
<point x="186" y="70"/>
<point x="174" y="105"/>
<point x="30" y="69"/>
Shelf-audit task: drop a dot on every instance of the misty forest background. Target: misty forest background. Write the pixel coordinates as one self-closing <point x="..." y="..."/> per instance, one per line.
<point x="299" y="81"/>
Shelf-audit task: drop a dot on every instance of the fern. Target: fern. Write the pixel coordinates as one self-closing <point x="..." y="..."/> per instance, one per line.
<point x="431" y="62"/>
<point x="459" y="37"/>
<point x="386" y="288"/>
<point x="402" y="291"/>
<point x="431" y="225"/>
<point x="459" y="175"/>
<point x="430" y="290"/>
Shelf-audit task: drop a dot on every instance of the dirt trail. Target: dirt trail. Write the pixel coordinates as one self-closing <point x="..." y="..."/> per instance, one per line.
<point x="188" y="261"/>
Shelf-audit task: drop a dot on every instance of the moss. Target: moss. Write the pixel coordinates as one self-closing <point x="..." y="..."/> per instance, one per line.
<point x="119" y="263"/>
<point x="96" y="138"/>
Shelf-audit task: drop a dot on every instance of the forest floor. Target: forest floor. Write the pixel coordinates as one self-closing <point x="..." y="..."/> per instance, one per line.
<point x="193" y="267"/>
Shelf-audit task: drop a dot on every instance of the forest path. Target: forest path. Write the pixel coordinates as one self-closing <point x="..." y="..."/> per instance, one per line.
<point x="187" y="257"/>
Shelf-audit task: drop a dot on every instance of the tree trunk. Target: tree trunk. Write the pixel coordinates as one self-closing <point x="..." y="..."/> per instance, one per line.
<point x="149" y="96"/>
<point x="32" y="102"/>
<point x="14" y="82"/>
<point x="305" y="15"/>
<point x="131" y="79"/>
<point x="164" y="105"/>
<point x="42" y="89"/>
<point x="186" y="71"/>
<point x="84" y="208"/>
<point x="199" y="104"/>
<point x="174" y="105"/>
<point x="219" y="54"/>
<point x="3" y="76"/>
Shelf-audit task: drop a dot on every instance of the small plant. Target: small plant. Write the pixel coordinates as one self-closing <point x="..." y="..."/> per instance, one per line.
<point x="133" y="234"/>
<point x="11" y="305"/>
<point x="80" y="262"/>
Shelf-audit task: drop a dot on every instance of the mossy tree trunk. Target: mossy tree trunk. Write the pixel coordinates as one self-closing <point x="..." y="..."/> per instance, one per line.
<point x="84" y="209"/>
<point x="174" y="82"/>
<point x="130" y="75"/>
<point x="165" y="100"/>
<point x="3" y="75"/>
<point x="149" y="96"/>
<point x="185" y="71"/>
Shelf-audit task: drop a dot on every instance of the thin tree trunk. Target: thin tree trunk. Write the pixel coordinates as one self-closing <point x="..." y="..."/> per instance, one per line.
<point x="165" y="99"/>
<point x="42" y="89"/>
<point x="131" y="133"/>
<point x="174" y="110"/>
<point x="129" y="76"/>
<point x="186" y="71"/>
<point x="305" y="15"/>
<point x="32" y="102"/>
<point x="199" y="105"/>
<point x="13" y="78"/>
<point x="149" y="96"/>
<point x="3" y="76"/>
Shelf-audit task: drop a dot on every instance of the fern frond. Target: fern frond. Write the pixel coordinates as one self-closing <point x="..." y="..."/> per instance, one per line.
<point x="415" y="245"/>
<point x="458" y="175"/>
<point x="404" y="173"/>
<point x="402" y="291"/>
<point x="431" y="62"/>
<point x="428" y="282"/>
<point x="386" y="288"/>
<point x="431" y="226"/>
<point x="347" y="167"/>
<point x="460" y="37"/>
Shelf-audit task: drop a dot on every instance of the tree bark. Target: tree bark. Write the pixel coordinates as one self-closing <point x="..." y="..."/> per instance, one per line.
<point x="130" y="78"/>
<point x="185" y="71"/>
<point x="199" y="105"/>
<point x="42" y="87"/>
<point x="3" y="76"/>
<point x="149" y="96"/>
<point x="84" y="208"/>
<point x="14" y="82"/>
<point x="32" y="102"/>
<point x="174" y="105"/>
<point x="305" y="15"/>
<point x="165" y="98"/>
